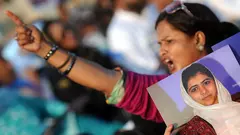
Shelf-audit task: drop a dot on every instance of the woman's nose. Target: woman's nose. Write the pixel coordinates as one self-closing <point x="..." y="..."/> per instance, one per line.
<point x="203" y="90"/>
<point x="163" y="50"/>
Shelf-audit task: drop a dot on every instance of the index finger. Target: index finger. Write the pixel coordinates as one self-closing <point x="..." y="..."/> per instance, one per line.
<point x="14" y="18"/>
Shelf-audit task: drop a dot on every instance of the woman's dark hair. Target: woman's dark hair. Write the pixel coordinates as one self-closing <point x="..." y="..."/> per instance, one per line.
<point x="204" y="20"/>
<point x="192" y="70"/>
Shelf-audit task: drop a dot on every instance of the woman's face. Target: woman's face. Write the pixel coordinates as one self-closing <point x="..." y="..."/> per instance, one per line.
<point x="203" y="89"/>
<point x="56" y="30"/>
<point x="177" y="50"/>
<point x="65" y="37"/>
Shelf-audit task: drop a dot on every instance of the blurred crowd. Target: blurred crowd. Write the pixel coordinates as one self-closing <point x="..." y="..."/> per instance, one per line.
<point x="36" y="99"/>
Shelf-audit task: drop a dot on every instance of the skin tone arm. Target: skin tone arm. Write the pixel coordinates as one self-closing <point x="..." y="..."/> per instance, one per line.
<point x="83" y="72"/>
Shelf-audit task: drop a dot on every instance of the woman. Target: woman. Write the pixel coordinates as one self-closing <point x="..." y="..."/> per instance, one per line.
<point x="214" y="110"/>
<point x="185" y="36"/>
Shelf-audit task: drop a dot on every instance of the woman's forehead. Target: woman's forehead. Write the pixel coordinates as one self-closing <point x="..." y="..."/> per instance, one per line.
<point x="198" y="77"/>
<point x="164" y="30"/>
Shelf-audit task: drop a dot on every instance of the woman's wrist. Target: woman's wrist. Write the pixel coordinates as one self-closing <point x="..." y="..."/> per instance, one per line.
<point x="44" y="49"/>
<point x="118" y="91"/>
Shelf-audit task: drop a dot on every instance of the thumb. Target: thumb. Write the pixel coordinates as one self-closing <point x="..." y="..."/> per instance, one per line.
<point x="168" y="130"/>
<point x="36" y="34"/>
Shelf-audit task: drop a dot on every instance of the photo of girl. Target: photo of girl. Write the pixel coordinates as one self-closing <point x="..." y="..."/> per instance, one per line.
<point x="214" y="110"/>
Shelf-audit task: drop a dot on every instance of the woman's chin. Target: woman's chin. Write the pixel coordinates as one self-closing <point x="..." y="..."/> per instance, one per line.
<point x="173" y="70"/>
<point x="209" y="102"/>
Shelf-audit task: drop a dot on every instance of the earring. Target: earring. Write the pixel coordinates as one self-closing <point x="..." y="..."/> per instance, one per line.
<point x="200" y="48"/>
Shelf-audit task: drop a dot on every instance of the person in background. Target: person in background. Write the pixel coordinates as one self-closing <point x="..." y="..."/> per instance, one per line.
<point x="10" y="80"/>
<point x="23" y="110"/>
<point x="104" y="10"/>
<point x="25" y="64"/>
<point x="92" y="32"/>
<point x="185" y="33"/>
<point x="130" y="39"/>
<point x="63" y="11"/>
<point x="68" y="91"/>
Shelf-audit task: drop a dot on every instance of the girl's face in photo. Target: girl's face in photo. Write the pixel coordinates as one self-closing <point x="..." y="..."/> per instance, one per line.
<point x="203" y="89"/>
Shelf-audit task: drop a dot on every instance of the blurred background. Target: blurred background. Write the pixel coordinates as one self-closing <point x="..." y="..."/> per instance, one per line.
<point x="36" y="99"/>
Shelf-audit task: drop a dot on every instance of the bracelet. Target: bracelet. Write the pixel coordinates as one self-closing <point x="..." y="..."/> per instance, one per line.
<point x="66" y="72"/>
<point x="51" y="52"/>
<point x="65" y="63"/>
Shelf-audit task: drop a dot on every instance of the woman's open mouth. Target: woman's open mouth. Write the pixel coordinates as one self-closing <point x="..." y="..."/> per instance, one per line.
<point x="169" y="63"/>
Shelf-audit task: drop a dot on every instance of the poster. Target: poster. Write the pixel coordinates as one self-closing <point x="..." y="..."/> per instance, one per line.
<point x="233" y="42"/>
<point x="166" y="94"/>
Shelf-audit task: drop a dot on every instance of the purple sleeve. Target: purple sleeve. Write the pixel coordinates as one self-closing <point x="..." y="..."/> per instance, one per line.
<point x="137" y="100"/>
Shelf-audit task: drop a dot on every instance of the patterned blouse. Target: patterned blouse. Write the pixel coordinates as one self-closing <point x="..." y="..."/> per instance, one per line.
<point x="197" y="126"/>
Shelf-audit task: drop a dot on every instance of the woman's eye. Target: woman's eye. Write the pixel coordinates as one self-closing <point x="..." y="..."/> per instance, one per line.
<point x="193" y="89"/>
<point x="206" y="82"/>
<point x="169" y="41"/>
